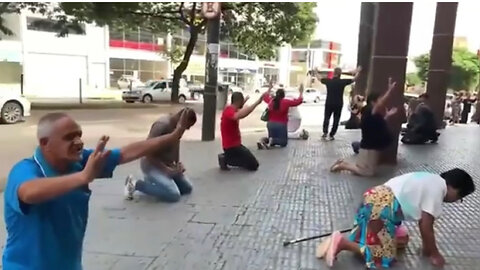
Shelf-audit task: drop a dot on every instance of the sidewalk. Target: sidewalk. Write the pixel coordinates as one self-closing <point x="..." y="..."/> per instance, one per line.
<point x="238" y="220"/>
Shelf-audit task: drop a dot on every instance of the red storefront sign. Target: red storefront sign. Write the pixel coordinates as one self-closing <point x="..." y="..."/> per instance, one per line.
<point x="136" y="45"/>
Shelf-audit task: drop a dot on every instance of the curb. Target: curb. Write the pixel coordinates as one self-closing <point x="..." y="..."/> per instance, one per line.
<point x="96" y="105"/>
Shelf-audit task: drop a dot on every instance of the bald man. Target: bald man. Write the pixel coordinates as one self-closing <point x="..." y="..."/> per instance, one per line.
<point x="47" y="195"/>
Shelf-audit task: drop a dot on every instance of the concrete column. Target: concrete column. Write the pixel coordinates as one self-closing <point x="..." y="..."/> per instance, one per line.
<point x="365" y="35"/>
<point x="389" y="59"/>
<point x="441" y="58"/>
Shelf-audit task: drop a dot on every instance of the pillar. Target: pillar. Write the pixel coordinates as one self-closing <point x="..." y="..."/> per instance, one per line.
<point x="364" y="53"/>
<point x="389" y="59"/>
<point x="441" y="58"/>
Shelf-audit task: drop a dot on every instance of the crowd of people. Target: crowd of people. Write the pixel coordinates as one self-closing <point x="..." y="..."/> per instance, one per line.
<point x="47" y="195"/>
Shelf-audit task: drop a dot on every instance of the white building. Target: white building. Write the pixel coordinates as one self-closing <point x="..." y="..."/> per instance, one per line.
<point x="94" y="60"/>
<point x="53" y="66"/>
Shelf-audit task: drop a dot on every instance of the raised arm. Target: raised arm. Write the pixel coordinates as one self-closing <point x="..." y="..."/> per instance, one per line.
<point x="146" y="147"/>
<point x="42" y="189"/>
<point x="380" y="106"/>
<point x="357" y="73"/>
<point x="297" y="101"/>
<point x="246" y="110"/>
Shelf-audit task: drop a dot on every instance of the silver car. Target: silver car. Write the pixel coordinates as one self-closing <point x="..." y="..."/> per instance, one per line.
<point x="155" y="91"/>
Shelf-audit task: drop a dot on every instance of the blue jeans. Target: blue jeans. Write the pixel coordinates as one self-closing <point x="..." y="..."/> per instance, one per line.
<point x="164" y="187"/>
<point x="278" y="132"/>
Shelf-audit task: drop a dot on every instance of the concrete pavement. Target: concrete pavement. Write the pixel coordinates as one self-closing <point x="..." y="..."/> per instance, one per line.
<point x="238" y="220"/>
<point x="123" y="126"/>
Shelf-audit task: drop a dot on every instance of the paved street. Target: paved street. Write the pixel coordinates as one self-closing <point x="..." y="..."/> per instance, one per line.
<point x="123" y="125"/>
<point x="238" y="220"/>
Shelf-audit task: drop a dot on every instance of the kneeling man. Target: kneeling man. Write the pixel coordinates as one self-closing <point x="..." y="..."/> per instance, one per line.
<point x="163" y="171"/>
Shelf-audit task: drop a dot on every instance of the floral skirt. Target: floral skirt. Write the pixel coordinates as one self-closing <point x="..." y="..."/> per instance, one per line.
<point x="374" y="227"/>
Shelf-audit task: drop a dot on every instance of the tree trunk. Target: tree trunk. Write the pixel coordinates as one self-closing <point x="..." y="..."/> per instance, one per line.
<point x="177" y="73"/>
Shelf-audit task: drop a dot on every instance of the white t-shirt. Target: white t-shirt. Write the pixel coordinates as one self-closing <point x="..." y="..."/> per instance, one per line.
<point x="417" y="192"/>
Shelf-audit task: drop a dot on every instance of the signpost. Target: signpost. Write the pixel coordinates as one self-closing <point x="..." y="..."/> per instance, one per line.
<point x="211" y="11"/>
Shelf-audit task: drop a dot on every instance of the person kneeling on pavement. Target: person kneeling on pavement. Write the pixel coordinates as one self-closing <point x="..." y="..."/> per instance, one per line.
<point x="163" y="171"/>
<point x="376" y="135"/>
<point x="417" y="196"/>
<point x="421" y="127"/>
<point x="235" y="154"/>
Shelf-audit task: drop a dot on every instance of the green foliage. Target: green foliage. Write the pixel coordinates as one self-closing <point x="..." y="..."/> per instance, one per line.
<point x="256" y="28"/>
<point x="175" y="55"/>
<point x="413" y="79"/>
<point x="464" y="73"/>
<point x="15" y="8"/>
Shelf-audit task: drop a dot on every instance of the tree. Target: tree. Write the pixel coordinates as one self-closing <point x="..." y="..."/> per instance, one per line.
<point x="257" y="28"/>
<point x="61" y="22"/>
<point x="464" y="73"/>
<point x="413" y="79"/>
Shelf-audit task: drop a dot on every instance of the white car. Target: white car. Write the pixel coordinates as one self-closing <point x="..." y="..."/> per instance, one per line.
<point x="13" y="108"/>
<point x="124" y="82"/>
<point x="155" y="91"/>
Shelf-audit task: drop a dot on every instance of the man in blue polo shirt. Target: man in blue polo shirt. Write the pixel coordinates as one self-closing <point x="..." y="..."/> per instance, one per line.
<point x="46" y="197"/>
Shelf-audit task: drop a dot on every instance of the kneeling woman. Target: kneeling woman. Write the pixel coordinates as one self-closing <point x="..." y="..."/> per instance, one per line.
<point x="278" y="108"/>
<point x="417" y="196"/>
<point x="376" y="135"/>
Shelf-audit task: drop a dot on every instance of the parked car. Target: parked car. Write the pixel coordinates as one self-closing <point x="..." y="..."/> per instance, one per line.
<point x="154" y="92"/>
<point x="13" y="108"/>
<point x="196" y="89"/>
<point x="125" y="81"/>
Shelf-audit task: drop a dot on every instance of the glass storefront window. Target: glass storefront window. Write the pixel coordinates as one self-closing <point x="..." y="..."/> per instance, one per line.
<point x="146" y="76"/>
<point x="146" y="37"/>
<point x="131" y="36"/>
<point x="146" y="65"/>
<point x="131" y="64"/>
<point x="232" y="52"/>
<point x="117" y="63"/>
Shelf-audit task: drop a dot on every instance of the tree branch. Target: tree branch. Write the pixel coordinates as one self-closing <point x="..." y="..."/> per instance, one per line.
<point x="153" y="15"/>
<point x="182" y="16"/>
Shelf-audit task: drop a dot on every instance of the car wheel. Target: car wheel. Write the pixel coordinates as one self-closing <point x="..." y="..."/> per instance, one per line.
<point x="12" y="112"/>
<point x="129" y="101"/>
<point x="257" y="91"/>
<point x="182" y="99"/>
<point x="317" y="100"/>
<point x="147" y="99"/>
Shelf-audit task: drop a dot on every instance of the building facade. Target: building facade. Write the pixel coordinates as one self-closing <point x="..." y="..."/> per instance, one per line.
<point x="99" y="57"/>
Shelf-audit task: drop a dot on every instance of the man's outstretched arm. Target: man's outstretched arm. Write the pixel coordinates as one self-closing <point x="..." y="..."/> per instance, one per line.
<point x="140" y="149"/>
<point x="245" y="111"/>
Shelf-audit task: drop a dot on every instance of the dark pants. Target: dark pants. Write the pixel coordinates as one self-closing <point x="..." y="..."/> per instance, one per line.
<point x="241" y="157"/>
<point x="278" y="132"/>
<point x="336" y="110"/>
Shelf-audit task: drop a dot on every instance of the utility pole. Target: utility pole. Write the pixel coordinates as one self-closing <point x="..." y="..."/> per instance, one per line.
<point x="211" y="11"/>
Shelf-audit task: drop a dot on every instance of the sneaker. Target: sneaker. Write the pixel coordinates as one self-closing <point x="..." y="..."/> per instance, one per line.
<point x="222" y="163"/>
<point x="331" y="138"/>
<point x="129" y="188"/>
<point x="324" y="136"/>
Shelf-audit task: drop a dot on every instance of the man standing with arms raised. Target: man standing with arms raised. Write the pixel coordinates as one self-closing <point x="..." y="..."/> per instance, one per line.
<point x="47" y="195"/>
<point x="334" y="102"/>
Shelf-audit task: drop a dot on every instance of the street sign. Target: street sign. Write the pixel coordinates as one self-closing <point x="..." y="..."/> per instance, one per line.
<point x="210" y="10"/>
